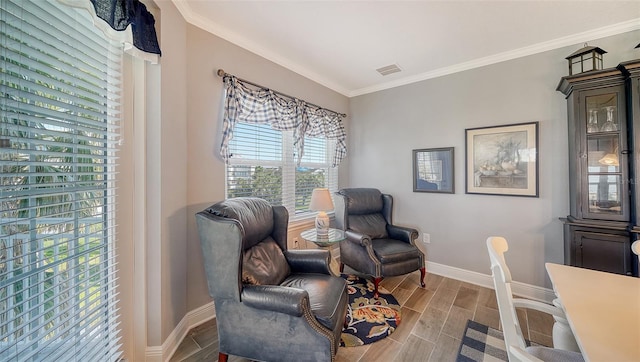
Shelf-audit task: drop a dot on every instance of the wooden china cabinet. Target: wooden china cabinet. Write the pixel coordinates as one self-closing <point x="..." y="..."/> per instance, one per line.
<point x="604" y="160"/>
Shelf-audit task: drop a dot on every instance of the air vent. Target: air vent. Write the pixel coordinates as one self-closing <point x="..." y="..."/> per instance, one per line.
<point x="389" y="69"/>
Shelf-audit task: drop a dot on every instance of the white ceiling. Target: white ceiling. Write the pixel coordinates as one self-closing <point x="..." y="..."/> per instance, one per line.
<point x="340" y="44"/>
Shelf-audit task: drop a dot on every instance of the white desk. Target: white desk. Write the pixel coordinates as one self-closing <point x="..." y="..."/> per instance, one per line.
<point x="603" y="310"/>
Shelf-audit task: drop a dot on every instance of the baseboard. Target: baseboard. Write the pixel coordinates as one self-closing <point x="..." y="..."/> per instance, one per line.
<point x="485" y="280"/>
<point x="153" y="354"/>
<point x="192" y="319"/>
<point x="206" y="312"/>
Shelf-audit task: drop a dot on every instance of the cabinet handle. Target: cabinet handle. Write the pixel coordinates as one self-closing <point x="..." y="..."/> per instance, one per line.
<point x="625" y="152"/>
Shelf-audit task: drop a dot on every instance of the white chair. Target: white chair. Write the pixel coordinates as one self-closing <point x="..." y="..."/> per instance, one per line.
<point x="517" y="349"/>
<point x="635" y="247"/>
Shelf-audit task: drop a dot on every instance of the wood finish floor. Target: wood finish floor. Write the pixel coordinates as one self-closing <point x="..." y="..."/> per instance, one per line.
<point x="433" y="322"/>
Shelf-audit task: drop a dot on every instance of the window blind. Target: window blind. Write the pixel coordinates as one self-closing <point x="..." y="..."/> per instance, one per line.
<point x="60" y="92"/>
<point x="314" y="171"/>
<point x="262" y="164"/>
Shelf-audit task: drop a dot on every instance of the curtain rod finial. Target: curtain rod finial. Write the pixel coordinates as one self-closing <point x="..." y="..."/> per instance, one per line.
<point x="220" y="72"/>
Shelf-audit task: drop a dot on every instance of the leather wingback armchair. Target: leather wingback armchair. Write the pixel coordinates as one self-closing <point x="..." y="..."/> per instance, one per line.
<point x="272" y="304"/>
<point x="374" y="245"/>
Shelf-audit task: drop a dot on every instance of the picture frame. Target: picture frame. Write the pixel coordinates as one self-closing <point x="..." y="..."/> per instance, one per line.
<point x="433" y="170"/>
<point x="502" y="160"/>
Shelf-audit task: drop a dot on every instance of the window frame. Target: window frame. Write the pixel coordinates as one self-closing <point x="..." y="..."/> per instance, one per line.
<point x="289" y="165"/>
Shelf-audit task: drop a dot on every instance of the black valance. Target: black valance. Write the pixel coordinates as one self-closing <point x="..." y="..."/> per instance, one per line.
<point x="120" y="13"/>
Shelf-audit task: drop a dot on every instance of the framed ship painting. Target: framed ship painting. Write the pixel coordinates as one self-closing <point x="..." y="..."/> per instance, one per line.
<point x="502" y="160"/>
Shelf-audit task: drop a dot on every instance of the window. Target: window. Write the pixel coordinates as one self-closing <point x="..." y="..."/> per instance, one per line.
<point x="263" y="133"/>
<point x="262" y="163"/>
<point x="59" y="113"/>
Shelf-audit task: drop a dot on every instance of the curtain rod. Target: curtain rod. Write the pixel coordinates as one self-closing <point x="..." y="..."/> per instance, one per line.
<point x="221" y="73"/>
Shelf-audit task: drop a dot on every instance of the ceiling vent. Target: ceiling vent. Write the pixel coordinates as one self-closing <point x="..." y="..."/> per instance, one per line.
<point x="389" y="69"/>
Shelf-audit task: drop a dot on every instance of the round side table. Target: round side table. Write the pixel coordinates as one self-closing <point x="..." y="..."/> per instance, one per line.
<point x="325" y="241"/>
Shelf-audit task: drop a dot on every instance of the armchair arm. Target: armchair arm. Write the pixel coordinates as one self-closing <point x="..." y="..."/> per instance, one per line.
<point x="356" y="237"/>
<point x="402" y="233"/>
<point x="539" y="306"/>
<point x="309" y="261"/>
<point x="275" y="298"/>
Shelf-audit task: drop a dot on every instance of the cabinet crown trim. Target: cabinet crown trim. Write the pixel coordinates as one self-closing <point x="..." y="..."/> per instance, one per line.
<point x="597" y="78"/>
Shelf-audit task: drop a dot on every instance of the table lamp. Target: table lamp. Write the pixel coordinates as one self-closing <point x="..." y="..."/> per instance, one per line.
<point x="321" y="202"/>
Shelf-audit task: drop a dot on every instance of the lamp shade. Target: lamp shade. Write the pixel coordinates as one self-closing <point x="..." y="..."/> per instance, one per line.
<point x="321" y="200"/>
<point x="610" y="159"/>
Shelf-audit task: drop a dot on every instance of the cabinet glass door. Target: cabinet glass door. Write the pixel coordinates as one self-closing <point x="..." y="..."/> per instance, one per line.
<point x="605" y="187"/>
<point x="604" y="176"/>
<point x="602" y="113"/>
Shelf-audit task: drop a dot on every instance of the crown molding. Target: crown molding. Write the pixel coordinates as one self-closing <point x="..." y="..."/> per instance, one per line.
<point x="228" y="35"/>
<point x="590" y="35"/>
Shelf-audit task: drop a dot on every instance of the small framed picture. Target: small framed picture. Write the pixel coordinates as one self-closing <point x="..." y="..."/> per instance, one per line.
<point x="502" y="160"/>
<point x="433" y="170"/>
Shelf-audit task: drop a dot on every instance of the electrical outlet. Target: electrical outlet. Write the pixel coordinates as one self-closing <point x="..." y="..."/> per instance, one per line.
<point x="426" y="238"/>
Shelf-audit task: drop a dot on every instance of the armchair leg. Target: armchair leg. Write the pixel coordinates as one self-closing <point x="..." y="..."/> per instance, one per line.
<point x="376" y="282"/>
<point x="341" y="267"/>
<point x="423" y="271"/>
<point x="222" y="357"/>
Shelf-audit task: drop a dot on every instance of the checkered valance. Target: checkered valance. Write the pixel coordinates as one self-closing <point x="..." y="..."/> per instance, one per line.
<point x="244" y="104"/>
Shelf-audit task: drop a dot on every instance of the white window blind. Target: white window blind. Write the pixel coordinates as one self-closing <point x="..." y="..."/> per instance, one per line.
<point x="59" y="107"/>
<point x="262" y="164"/>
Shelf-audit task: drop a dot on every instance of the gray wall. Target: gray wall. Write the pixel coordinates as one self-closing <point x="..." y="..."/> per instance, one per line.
<point x="167" y="181"/>
<point x="386" y="126"/>
<point x="207" y="53"/>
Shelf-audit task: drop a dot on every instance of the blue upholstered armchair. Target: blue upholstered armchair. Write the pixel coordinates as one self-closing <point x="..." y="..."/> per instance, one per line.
<point x="375" y="246"/>
<point x="272" y="304"/>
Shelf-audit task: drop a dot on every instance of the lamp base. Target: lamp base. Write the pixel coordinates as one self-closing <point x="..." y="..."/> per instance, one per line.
<point x="322" y="224"/>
